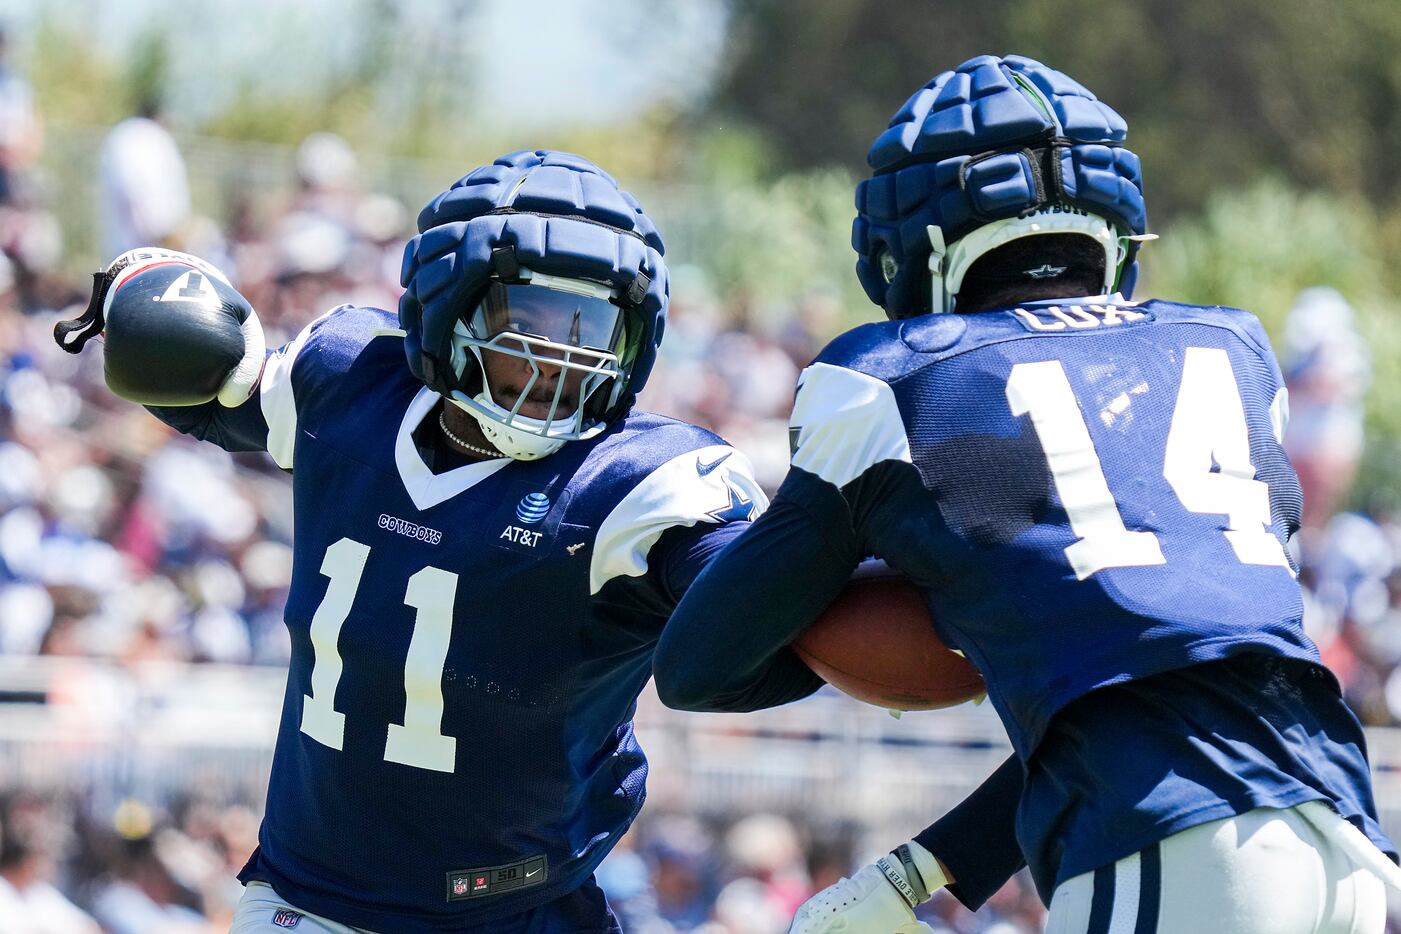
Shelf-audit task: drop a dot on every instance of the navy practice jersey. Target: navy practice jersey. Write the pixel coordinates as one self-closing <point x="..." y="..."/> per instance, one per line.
<point x="1090" y="495"/>
<point x="1087" y="495"/>
<point x="467" y="646"/>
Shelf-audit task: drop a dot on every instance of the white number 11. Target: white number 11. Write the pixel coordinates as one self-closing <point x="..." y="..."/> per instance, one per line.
<point x="419" y="741"/>
<point x="1208" y="428"/>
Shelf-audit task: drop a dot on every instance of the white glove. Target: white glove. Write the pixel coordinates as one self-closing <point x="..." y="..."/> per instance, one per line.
<point x="870" y="902"/>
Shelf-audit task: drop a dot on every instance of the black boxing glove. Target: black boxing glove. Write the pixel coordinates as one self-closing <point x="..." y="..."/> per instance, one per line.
<point x="176" y="332"/>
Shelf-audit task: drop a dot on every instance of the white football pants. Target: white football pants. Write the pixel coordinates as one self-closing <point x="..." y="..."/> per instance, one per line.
<point x="1304" y="870"/>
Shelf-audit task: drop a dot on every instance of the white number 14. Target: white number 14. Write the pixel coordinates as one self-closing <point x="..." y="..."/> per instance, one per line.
<point x="1208" y="427"/>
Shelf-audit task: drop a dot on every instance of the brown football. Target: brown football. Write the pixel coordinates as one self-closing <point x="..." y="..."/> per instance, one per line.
<point x="876" y="643"/>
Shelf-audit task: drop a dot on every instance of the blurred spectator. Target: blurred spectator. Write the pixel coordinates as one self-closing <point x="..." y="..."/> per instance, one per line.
<point x="326" y="167"/>
<point x="1327" y="369"/>
<point x="30" y="901"/>
<point x="683" y="871"/>
<point x="766" y="850"/>
<point x="144" y="193"/>
<point x="21" y="132"/>
<point x="142" y="896"/>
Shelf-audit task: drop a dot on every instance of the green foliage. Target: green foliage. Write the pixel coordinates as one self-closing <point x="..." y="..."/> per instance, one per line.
<point x="1258" y="248"/>
<point x="70" y="83"/>
<point x="146" y="72"/>
<point x="767" y="243"/>
<point x="1225" y="90"/>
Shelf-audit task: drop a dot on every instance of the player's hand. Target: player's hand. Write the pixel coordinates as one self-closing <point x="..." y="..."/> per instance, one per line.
<point x="177" y="332"/>
<point x="867" y="903"/>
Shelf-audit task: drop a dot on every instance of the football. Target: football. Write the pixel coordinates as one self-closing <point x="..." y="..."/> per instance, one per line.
<point x="877" y="643"/>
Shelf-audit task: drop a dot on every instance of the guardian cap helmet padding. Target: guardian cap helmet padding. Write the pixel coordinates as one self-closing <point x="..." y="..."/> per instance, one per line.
<point x="995" y="140"/>
<point x="549" y="221"/>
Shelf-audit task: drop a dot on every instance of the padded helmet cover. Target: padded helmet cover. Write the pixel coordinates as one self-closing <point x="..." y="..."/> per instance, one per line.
<point x="561" y="215"/>
<point x="994" y="138"/>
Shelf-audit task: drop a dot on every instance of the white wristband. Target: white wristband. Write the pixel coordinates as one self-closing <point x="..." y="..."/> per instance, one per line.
<point x="239" y="384"/>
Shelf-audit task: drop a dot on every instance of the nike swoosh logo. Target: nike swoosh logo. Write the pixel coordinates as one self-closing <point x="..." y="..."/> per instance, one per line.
<point x="704" y="469"/>
<point x="535" y="873"/>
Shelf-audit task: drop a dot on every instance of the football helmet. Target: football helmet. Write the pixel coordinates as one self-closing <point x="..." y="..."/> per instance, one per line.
<point x="993" y="151"/>
<point x="541" y="260"/>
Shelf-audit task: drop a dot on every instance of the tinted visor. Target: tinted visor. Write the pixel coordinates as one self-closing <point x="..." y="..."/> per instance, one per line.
<point x="554" y="315"/>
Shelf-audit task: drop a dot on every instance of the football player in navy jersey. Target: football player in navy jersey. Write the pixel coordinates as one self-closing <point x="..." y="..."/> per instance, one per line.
<point x="488" y="542"/>
<point x="1092" y="494"/>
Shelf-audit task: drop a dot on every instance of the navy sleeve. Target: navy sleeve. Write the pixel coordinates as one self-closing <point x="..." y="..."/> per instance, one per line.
<point x="977" y="840"/>
<point x="673" y="562"/>
<point x="726" y="646"/>
<point x="238" y="429"/>
<point x="267" y="420"/>
<point x="682" y="554"/>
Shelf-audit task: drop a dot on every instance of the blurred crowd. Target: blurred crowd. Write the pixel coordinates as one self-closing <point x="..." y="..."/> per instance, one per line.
<point x="171" y="870"/>
<point x="676" y="873"/>
<point x="121" y="540"/>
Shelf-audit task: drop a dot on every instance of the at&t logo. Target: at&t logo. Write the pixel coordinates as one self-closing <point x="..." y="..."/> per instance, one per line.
<point x="532" y="508"/>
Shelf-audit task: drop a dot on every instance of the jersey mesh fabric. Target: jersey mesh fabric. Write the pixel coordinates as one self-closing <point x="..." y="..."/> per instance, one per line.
<point x="984" y="530"/>
<point x="538" y="680"/>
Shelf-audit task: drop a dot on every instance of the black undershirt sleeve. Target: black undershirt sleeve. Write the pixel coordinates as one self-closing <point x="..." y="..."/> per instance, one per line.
<point x="237" y="429"/>
<point x="977" y="840"/>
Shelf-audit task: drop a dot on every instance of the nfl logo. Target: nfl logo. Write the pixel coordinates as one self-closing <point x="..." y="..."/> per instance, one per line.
<point x="286" y="918"/>
<point x="459" y="886"/>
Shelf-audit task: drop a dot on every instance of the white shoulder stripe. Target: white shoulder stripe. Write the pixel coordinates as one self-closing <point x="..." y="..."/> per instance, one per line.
<point x="1279" y="414"/>
<point x="845" y="423"/>
<point x="709" y="484"/>
<point x="275" y="396"/>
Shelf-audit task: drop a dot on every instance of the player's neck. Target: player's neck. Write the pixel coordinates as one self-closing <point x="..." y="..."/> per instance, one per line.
<point x="461" y="428"/>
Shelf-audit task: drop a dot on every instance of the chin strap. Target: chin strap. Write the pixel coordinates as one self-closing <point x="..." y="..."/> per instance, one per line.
<point x="938" y="261"/>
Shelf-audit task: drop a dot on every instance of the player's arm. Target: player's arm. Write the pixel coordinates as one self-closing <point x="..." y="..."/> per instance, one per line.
<point x="782" y="678"/>
<point x="732" y="631"/>
<point x="179" y="339"/>
<point x="728" y="651"/>
<point x="666" y="531"/>
<point x="726" y="646"/>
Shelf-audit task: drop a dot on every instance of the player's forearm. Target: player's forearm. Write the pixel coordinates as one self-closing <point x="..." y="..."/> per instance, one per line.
<point x="977" y="840"/>
<point x="230" y="429"/>
<point x="725" y="646"/>
<point x="782" y="679"/>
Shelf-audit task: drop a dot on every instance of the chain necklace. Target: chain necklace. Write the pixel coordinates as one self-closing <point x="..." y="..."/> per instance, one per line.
<point x="484" y="452"/>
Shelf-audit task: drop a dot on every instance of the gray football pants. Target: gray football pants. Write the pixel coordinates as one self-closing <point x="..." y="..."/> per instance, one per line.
<point x="263" y="911"/>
